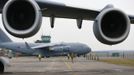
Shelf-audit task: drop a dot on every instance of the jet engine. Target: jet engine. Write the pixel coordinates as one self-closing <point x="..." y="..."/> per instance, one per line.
<point x="4" y="62"/>
<point x="1" y="67"/>
<point x="111" y="26"/>
<point x="22" y="18"/>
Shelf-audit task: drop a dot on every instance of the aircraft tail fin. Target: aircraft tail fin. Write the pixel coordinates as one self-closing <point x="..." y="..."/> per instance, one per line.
<point x="4" y="37"/>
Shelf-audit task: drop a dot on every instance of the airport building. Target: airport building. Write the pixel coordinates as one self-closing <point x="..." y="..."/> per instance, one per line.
<point x="115" y="53"/>
<point x="44" y="39"/>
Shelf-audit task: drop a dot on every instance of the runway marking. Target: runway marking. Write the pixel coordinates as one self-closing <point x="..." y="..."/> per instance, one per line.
<point x="51" y="65"/>
<point x="69" y="67"/>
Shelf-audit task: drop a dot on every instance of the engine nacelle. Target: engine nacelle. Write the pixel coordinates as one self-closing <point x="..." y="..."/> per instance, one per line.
<point x="2" y="3"/>
<point x="1" y="67"/>
<point x="111" y="26"/>
<point x="22" y="18"/>
<point x="4" y="62"/>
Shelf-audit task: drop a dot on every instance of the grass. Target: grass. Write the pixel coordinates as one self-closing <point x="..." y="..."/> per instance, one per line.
<point x="119" y="61"/>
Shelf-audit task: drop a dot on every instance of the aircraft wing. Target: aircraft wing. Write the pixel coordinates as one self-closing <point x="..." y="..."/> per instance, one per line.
<point x="50" y="8"/>
<point x="54" y="9"/>
<point x="62" y="11"/>
<point x="44" y="46"/>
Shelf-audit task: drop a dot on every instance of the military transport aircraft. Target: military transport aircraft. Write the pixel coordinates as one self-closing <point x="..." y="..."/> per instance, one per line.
<point x="42" y="49"/>
<point x="22" y="18"/>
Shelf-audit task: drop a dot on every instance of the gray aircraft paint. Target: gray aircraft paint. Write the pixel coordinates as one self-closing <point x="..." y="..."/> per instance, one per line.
<point x="50" y="49"/>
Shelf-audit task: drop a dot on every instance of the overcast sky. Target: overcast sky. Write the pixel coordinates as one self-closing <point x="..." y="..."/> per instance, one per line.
<point x="66" y="29"/>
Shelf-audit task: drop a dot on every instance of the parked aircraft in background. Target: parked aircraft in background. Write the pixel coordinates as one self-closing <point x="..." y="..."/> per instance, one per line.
<point x="22" y="18"/>
<point x="42" y="49"/>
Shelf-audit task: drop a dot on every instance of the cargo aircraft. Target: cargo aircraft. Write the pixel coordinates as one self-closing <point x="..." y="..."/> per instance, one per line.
<point x="70" y="50"/>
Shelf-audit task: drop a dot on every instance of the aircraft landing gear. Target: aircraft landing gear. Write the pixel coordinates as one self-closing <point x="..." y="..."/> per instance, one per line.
<point x="71" y="56"/>
<point x="39" y="57"/>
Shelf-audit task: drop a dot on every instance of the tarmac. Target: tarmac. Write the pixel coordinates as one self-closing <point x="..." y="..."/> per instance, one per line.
<point x="63" y="66"/>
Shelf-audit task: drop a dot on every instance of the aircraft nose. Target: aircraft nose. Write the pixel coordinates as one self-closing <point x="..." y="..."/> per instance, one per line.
<point x="88" y="49"/>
